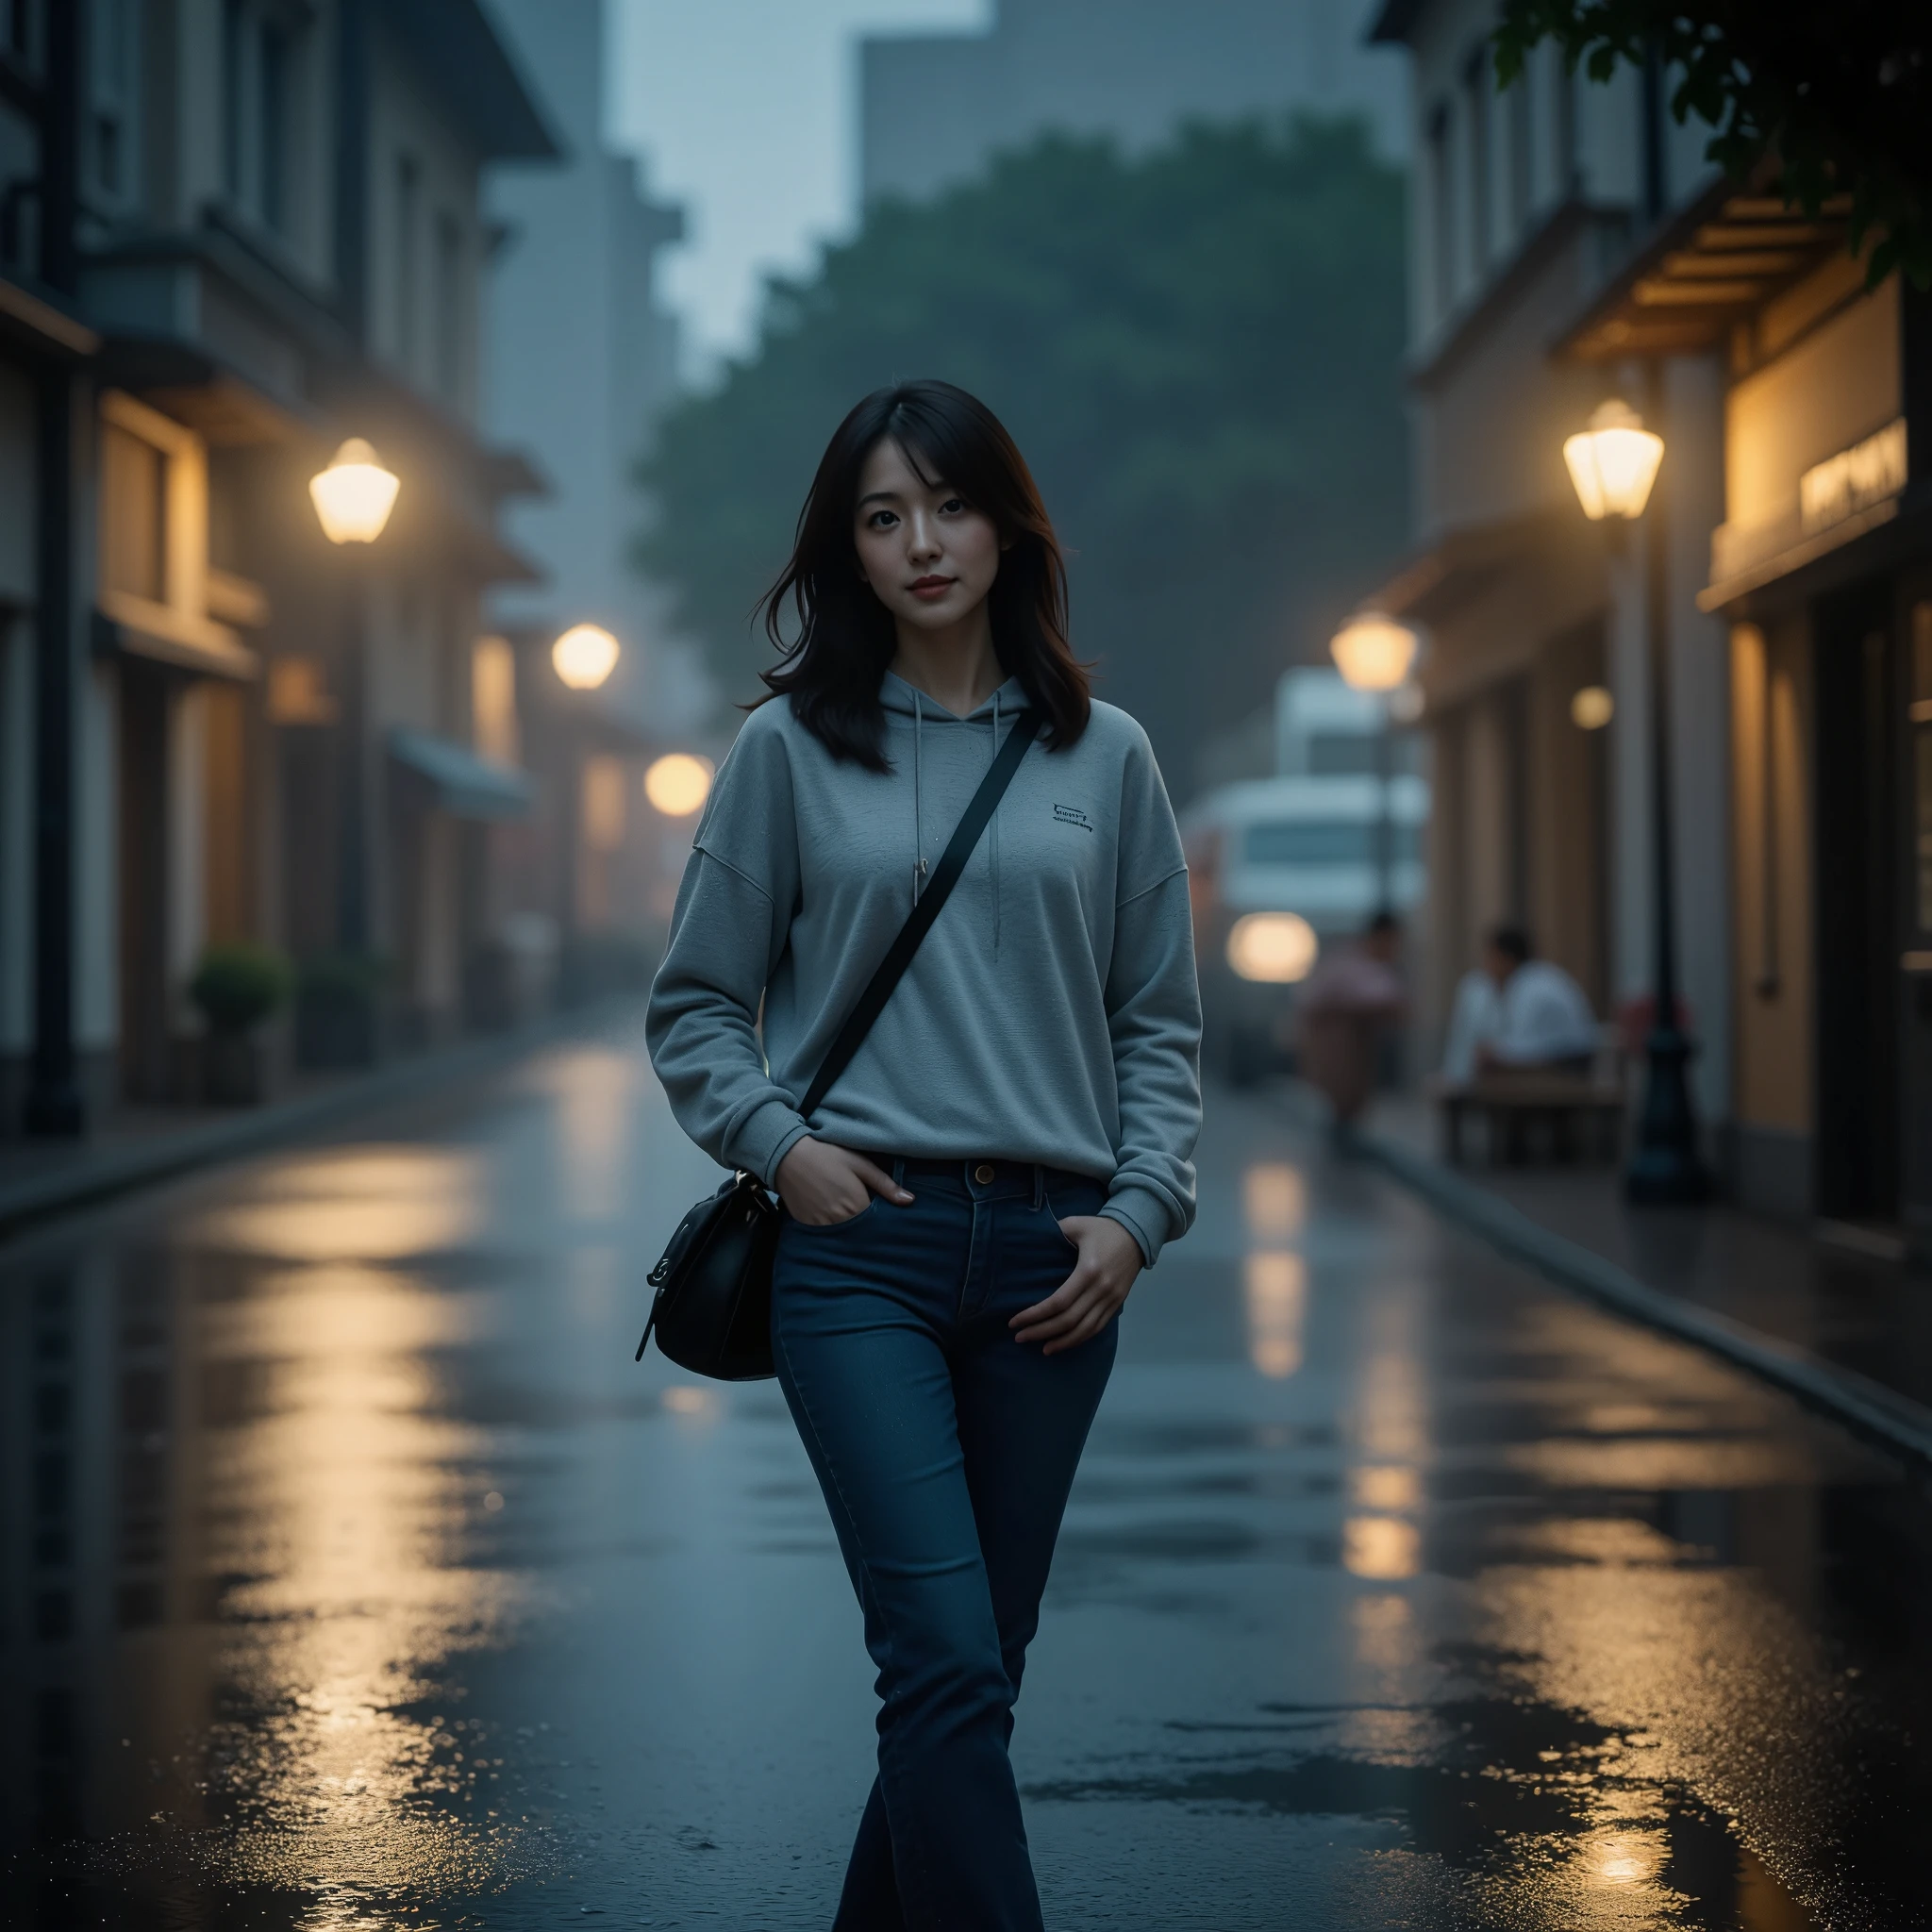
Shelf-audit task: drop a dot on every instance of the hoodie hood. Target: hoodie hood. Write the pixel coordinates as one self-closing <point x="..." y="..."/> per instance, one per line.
<point x="895" y="695"/>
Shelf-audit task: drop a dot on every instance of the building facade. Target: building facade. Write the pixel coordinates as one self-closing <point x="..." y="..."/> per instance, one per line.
<point x="258" y="230"/>
<point x="1819" y="566"/>
<point x="934" y="109"/>
<point x="1526" y="205"/>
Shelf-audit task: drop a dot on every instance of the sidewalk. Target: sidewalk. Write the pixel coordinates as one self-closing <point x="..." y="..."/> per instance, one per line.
<point x="138" y="1146"/>
<point x="1842" y="1331"/>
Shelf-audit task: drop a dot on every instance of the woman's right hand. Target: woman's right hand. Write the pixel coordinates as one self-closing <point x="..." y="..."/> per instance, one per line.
<point x="820" y="1183"/>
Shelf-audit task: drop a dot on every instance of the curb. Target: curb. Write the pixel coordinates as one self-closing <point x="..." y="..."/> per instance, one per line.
<point x="248" y="1130"/>
<point x="1881" y="1415"/>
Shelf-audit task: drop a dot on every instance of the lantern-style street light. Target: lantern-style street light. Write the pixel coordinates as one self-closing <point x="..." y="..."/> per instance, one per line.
<point x="585" y="655"/>
<point x="1614" y="464"/>
<point x="353" y="496"/>
<point x="1375" y="653"/>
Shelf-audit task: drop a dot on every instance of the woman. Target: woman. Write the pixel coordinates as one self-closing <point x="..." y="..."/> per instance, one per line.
<point x="966" y="1212"/>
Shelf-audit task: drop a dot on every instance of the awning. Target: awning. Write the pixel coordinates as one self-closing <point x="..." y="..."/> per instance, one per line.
<point x="197" y="645"/>
<point x="466" y="786"/>
<point x="1727" y="255"/>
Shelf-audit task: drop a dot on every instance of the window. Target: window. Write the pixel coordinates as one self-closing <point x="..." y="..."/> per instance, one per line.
<point x="493" y="700"/>
<point x="134" y="514"/>
<point x="234" y="25"/>
<point x="408" y="185"/>
<point x="1442" y="209"/>
<point x="1327" y="841"/>
<point x="1568" y="147"/>
<point x="112" y="96"/>
<point x="1521" y="152"/>
<point x="1479" y="90"/>
<point x="449" y="306"/>
<point x="273" y="127"/>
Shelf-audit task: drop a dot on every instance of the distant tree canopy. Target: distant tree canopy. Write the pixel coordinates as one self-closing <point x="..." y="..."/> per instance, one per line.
<point x="1197" y="350"/>
<point x="1838" y="97"/>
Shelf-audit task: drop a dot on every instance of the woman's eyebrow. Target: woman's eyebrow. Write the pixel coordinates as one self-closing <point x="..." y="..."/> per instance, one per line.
<point x="878" y="496"/>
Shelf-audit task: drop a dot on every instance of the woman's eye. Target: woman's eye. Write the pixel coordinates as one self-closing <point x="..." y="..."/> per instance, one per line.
<point x="951" y="503"/>
<point x="881" y="520"/>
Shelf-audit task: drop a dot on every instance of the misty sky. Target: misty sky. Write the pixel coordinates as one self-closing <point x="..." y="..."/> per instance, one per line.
<point x="745" y="110"/>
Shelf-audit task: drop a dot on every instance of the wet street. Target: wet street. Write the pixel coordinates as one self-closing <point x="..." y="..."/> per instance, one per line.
<point x="353" y="1576"/>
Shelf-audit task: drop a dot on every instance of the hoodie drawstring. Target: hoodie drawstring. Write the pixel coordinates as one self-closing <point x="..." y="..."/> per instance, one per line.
<point x="918" y="819"/>
<point x="993" y="829"/>
<point x="918" y="864"/>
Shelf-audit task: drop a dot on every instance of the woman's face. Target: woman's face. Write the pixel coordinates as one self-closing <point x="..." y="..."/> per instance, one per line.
<point x="929" y="555"/>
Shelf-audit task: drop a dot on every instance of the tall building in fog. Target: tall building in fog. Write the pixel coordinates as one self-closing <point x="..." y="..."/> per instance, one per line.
<point x="582" y="353"/>
<point x="935" y="108"/>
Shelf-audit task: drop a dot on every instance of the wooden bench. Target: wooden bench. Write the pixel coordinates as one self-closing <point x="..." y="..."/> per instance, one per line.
<point x="1571" y="1115"/>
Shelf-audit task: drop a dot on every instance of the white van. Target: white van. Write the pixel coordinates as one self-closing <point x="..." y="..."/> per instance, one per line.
<point x="1280" y="868"/>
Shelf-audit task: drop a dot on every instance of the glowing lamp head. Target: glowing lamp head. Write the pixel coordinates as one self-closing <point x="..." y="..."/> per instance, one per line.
<point x="1277" y="948"/>
<point x="1591" y="708"/>
<point x="353" y="496"/>
<point x="1613" y="462"/>
<point x="1374" y="652"/>
<point x="677" y="784"/>
<point x="585" y="655"/>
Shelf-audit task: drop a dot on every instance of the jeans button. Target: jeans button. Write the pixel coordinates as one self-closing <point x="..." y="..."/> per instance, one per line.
<point x="983" y="1174"/>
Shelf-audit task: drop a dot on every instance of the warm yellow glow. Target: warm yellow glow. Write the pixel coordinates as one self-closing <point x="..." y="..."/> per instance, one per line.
<point x="1277" y="947"/>
<point x="677" y="784"/>
<point x="1624" y="1857"/>
<point x="1274" y="1201"/>
<point x="1275" y="1289"/>
<point x="585" y="655"/>
<point x="1613" y="462"/>
<point x="683" y="1400"/>
<point x="1593" y="708"/>
<point x="1385" y="1487"/>
<point x="604" y="791"/>
<point x="1382" y="1548"/>
<point x="353" y="496"/>
<point x="1374" y="652"/>
<point x="494" y="699"/>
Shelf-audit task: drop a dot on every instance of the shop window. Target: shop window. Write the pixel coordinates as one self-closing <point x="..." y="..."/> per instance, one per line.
<point x="493" y="700"/>
<point x="604" y="799"/>
<point x="134" y="514"/>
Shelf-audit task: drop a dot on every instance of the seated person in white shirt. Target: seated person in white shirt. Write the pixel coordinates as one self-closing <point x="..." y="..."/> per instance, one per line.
<point x="1518" y="1013"/>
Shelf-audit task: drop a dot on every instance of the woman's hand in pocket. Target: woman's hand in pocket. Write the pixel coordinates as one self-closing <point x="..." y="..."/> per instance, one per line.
<point x="1091" y="1295"/>
<point x="820" y="1183"/>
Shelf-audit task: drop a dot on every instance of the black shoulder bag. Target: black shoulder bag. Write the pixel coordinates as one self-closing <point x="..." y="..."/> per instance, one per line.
<point x="712" y="1312"/>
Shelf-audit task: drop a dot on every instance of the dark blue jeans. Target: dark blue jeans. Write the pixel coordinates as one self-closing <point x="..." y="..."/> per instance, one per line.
<point x="945" y="1449"/>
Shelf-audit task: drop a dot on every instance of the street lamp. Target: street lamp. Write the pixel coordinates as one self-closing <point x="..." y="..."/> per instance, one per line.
<point x="585" y="655"/>
<point x="353" y="496"/>
<point x="677" y="784"/>
<point x="1375" y="653"/>
<point x="1614" y="462"/>
<point x="1614" y="465"/>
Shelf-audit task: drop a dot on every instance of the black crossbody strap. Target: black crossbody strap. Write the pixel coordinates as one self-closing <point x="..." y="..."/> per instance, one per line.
<point x="879" y="988"/>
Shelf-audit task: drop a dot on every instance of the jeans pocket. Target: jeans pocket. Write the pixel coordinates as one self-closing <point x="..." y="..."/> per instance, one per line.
<point x="1078" y="1197"/>
<point x="832" y="1226"/>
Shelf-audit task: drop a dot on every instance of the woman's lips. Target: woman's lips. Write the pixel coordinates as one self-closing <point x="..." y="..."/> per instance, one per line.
<point x="932" y="586"/>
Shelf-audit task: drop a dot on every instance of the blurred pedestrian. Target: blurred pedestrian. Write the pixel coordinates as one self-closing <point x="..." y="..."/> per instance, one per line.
<point x="966" y="1212"/>
<point x="1344" y="1010"/>
<point x="1518" y="1013"/>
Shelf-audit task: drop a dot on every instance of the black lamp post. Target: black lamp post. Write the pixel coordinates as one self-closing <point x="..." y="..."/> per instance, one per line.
<point x="1614" y="465"/>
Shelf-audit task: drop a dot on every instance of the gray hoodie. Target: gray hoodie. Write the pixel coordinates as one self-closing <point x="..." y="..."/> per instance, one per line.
<point x="1051" y="1014"/>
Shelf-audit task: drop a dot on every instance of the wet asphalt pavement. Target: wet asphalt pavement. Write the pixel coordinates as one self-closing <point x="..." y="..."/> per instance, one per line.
<point x="352" y="1575"/>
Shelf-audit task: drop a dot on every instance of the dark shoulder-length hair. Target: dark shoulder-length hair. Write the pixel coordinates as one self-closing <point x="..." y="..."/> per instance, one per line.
<point x="845" y="638"/>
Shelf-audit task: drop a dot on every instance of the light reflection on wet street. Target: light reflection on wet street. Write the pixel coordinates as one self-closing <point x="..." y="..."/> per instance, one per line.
<point x="353" y="1576"/>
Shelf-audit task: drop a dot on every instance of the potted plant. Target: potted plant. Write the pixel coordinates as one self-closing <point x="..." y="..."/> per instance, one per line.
<point x="335" y="1004"/>
<point x="237" y="987"/>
